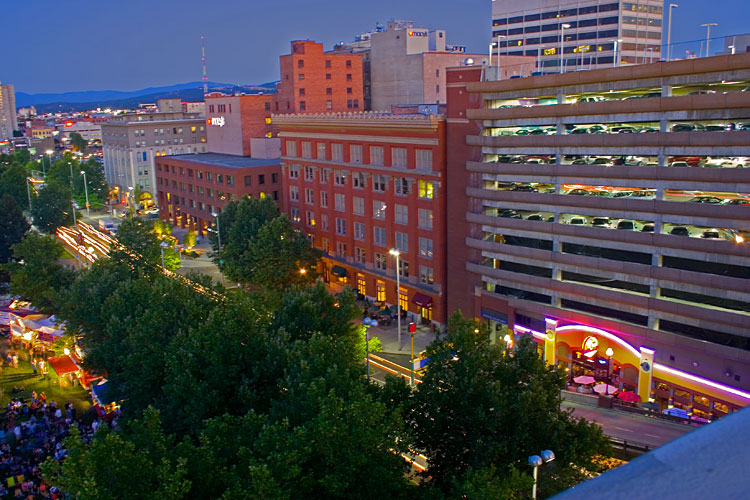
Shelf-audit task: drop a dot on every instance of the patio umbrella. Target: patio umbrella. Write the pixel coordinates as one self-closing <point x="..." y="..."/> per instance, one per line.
<point x="394" y="309"/>
<point x="650" y="405"/>
<point x="605" y="389"/>
<point x="628" y="396"/>
<point x="584" y="379"/>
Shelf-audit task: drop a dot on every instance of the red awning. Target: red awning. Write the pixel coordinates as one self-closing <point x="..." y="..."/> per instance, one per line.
<point x="422" y="300"/>
<point x="63" y="365"/>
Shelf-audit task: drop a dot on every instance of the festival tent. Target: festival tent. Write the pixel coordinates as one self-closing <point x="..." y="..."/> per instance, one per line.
<point x="63" y="365"/>
<point x="100" y="394"/>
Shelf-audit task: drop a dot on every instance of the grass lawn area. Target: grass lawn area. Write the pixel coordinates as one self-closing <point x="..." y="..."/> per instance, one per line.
<point x="24" y="376"/>
<point x="66" y="255"/>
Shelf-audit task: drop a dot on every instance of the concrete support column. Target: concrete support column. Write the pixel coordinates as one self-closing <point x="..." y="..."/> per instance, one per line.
<point x="645" y="371"/>
<point x="663" y="125"/>
<point x="659" y="196"/>
<point x="661" y="159"/>
<point x="560" y="98"/>
<point x="666" y="91"/>
<point x="550" y="354"/>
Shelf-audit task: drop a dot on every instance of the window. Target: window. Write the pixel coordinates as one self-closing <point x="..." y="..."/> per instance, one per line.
<point x="348" y="77"/>
<point x="309" y="173"/>
<point x="378" y="183"/>
<point x="339" y="178"/>
<point x="426" y="275"/>
<point x="209" y="176"/>
<point x="294" y="193"/>
<point x="361" y="284"/>
<point x="230" y="180"/>
<point x="402" y="214"/>
<point x="340" y="226"/>
<point x="295" y="214"/>
<point x="324" y="245"/>
<point x="293" y="172"/>
<point x="329" y="91"/>
<point x="358" y="180"/>
<point x="381" y="263"/>
<point x="300" y="63"/>
<point x="426" y="190"/>
<point x="425" y="248"/>
<point x="219" y="179"/>
<point x="425" y="218"/>
<point x="301" y="76"/>
<point x="274" y="178"/>
<point x="403" y="271"/>
<point x="324" y="223"/>
<point x="309" y="218"/>
<point x="341" y="250"/>
<point x="309" y="196"/>
<point x="329" y="105"/>
<point x="358" y="206"/>
<point x="380" y="290"/>
<point x="324" y="199"/>
<point x="262" y="178"/>
<point x="424" y="160"/>
<point x="200" y="174"/>
<point x="291" y="148"/>
<point x="306" y="149"/>
<point x="337" y="152"/>
<point x="355" y="153"/>
<point x="348" y="90"/>
<point x="360" y="256"/>
<point x="376" y="155"/>
<point x="378" y="209"/>
<point x="379" y="233"/>
<point x="359" y="231"/>
<point x="398" y="157"/>
<point x="328" y="63"/>
<point x="402" y="241"/>
<point x="339" y="203"/>
<point x="302" y="106"/>
<point x="328" y="76"/>
<point x="301" y="92"/>
<point x="321" y="151"/>
<point x="348" y="63"/>
<point x="401" y="186"/>
<point x="324" y="176"/>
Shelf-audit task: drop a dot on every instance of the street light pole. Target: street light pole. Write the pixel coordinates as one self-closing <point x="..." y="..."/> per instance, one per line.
<point x="367" y="322"/>
<point x="708" y="34"/>
<point x="218" y="230"/>
<point x="28" y="192"/>
<point x="396" y="254"/>
<point x="563" y="27"/>
<point x="669" y="32"/>
<point x="535" y="461"/>
<point x="163" y="245"/>
<point x="71" y="176"/>
<point x="86" y="188"/>
<point x="609" y="354"/>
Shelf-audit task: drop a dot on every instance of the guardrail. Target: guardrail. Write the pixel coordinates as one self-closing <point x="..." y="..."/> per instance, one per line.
<point x="627" y="450"/>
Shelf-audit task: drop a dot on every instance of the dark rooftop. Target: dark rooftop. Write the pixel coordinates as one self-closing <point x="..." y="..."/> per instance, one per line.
<point x="225" y="160"/>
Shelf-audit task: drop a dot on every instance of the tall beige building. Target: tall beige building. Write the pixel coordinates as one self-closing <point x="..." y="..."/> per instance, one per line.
<point x="571" y="35"/>
<point x="8" y="121"/>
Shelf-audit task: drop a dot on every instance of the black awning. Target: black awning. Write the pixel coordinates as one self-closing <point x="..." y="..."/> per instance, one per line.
<point x="422" y="300"/>
<point x="339" y="271"/>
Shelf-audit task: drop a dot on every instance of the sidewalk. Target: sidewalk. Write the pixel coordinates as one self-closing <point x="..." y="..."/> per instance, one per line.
<point x="388" y="336"/>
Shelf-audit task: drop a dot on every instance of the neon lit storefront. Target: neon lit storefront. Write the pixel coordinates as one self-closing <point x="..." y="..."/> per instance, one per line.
<point x="582" y="347"/>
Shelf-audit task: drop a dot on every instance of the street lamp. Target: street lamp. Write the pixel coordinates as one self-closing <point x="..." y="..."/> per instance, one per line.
<point x="669" y="32"/>
<point x="396" y="253"/>
<point x="563" y="27"/>
<point x="49" y="157"/>
<point x="708" y="34"/>
<point x="86" y="189"/>
<point x="535" y="461"/>
<point x="498" y="55"/>
<point x="367" y="322"/>
<point x="218" y="230"/>
<point x="163" y="245"/>
<point x="71" y="176"/>
<point x="609" y="352"/>
<point x="130" y="195"/>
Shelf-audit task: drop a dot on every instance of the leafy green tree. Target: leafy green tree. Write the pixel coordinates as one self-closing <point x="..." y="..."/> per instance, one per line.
<point x="22" y="157"/>
<point x="239" y="223"/>
<point x="138" y="236"/>
<point x="190" y="239"/>
<point x="13" y="226"/>
<point x="37" y="273"/>
<point x="13" y="183"/>
<point x="95" y="180"/>
<point x="480" y="407"/>
<point x="113" y="466"/>
<point x="52" y="207"/>
<point x="78" y="142"/>
<point x="275" y="259"/>
<point x="162" y="227"/>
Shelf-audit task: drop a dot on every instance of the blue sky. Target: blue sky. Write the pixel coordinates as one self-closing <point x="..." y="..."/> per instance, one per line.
<point x="54" y="46"/>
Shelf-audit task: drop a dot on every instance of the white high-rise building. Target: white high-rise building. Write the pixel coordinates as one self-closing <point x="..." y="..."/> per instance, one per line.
<point x="590" y="33"/>
<point x="8" y="122"/>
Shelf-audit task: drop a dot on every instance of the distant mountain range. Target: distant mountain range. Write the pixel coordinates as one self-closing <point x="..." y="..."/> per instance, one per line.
<point x="81" y="101"/>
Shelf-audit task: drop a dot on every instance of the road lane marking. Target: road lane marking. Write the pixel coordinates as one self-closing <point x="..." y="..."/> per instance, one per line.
<point x="622" y="429"/>
<point x="651" y="435"/>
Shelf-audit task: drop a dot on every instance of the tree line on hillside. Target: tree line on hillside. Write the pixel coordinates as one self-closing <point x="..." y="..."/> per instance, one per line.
<point x="260" y="392"/>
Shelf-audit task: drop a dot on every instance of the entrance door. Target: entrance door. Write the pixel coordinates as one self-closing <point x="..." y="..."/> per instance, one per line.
<point x="426" y="313"/>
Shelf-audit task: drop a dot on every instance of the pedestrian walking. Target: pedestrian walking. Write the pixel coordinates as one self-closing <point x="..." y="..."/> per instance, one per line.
<point x="33" y="365"/>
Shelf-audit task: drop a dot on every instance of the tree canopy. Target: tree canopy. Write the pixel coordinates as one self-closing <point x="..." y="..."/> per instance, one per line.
<point x="52" y="207"/>
<point x="13" y="226"/>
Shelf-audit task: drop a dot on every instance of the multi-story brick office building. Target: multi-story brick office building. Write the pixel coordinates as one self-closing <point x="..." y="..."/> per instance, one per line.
<point x="234" y="122"/>
<point x="361" y="184"/>
<point x="572" y="227"/>
<point x="8" y="120"/>
<point x="313" y="81"/>
<point x="193" y="187"/>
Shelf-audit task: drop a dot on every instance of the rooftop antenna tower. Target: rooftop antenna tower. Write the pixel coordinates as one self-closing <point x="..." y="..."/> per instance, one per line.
<point x="203" y="61"/>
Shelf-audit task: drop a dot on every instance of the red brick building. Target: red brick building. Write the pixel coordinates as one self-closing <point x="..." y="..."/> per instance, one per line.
<point x="313" y="81"/>
<point x="233" y="121"/>
<point x="361" y="184"/>
<point x="192" y="187"/>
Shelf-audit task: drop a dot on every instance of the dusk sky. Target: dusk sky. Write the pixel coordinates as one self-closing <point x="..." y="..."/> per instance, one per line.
<point x="53" y="46"/>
